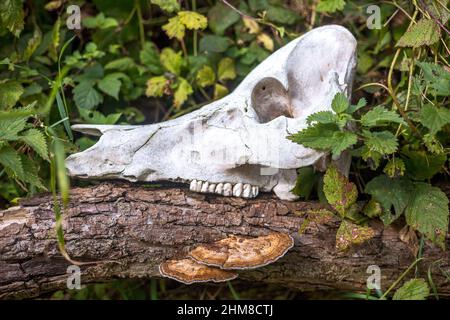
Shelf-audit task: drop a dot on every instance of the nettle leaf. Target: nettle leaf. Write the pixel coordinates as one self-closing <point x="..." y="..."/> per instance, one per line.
<point x="10" y="128"/>
<point x="340" y="103"/>
<point x="10" y="160"/>
<point x="341" y="194"/>
<point x="149" y="56"/>
<point x="174" y="28"/>
<point x="10" y="92"/>
<point x="330" y="6"/>
<point x="31" y="173"/>
<point x="182" y="92"/>
<point x="12" y="16"/>
<point x="353" y="108"/>
<point x="422" y="165"/>
<point x="428" y="212"/>
<point x="111" y="84"/>
<point x="156" y="86"/>
<point x="414" y="289"/>
<point x="221" y="17"/>
<point x="390" y="193"/>
<point x="226" y="70"/>
<point x="171" y="60"/>
<point x="380" y="116"/>
<point x="350" y="234"/>
<point x="193" y="20"/>
<point x="205" y="76"/>
<point x="322" y="117"/>
<point x="425" y="32"/>
<point x="36" y="140"/>
<point x="437" y="78"/>
<point x="86" y="96"/>
<point x="434" y="118"/>
<point x="383" y="142"/>
<point x="167" y="5"/>
<point x="99" y="21"/>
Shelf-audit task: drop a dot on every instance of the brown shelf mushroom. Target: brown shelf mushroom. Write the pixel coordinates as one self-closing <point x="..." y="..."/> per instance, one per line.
<point x="237" y="252"/>
<point x="189" y="271"/>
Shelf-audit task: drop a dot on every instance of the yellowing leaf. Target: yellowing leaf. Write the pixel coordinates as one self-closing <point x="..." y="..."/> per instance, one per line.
<point x="174" y="28"/>
<point x="265" y="40"/>
<point x="171" y="60"/>
<point x="350" y="234"/>
<point x="340" y="192"/>
<point x="205" y="76"/>
<point x="226" y="70"/>
<point x="53" y="5"/>
<point x="193" y="20"/>
<point x="156" y="86"/>
<point x="167" y="5"/>
<point x="182" y="93"/>
<point x="251" y="25"/>
<point x="425" y="32"/>
<point x="220" y="91"/>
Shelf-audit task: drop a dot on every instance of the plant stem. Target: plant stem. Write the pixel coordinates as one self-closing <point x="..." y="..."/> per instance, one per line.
<point x="137" y="5"/>
<point x="400" y="278"/>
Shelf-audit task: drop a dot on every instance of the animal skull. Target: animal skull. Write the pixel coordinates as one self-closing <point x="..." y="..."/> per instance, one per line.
<point x="223" y="147"/>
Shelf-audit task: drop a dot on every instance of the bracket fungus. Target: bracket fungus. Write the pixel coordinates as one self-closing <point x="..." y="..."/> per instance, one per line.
<point x="189" y="271"/>
<point x="236" y="252"/>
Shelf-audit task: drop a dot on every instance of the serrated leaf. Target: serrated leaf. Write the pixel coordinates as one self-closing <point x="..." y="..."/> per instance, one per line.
<point x="424" y="32"/>
<point x="422" y="165"/>
<point x="182" y="92"/>
<point x="10" y="92"/>
<point x="414" y="289"/>
<point x="86" y="96"/>
<point x="340" y="103"/>
<point x="167" y="5"/>
<point x="121" y="64"/>
<point x="323" y="117"/>
<point x="226" y="70"/>
<point x="330" y="6"/>
<point x="383" y="142"/>
<point x="33" y="43"/>
<point x="221" y="17"/>
<point x="174" y="28"/>
<point x="10" y="159"/>
<point x="12" y="16"/>
<point x="205" y="76"/>
<point x="436" y="78"/>
<point x="156" y="86"/>
<point x="10" y="128"/>
<point x="31" y="173"/>
<point x="111" y="84"/>
<point x="171" y="60"/>
<point x="149" y="57"/>
<point x="36" y="140"/>
<point x="380" y="116"/>
<point x="428" y="212"/>
<point x="434" y="118"/>
<point x="350" y="234"/>
<point x="390" y="193"/>
<point x="193" y="20"/>
<point x="341" y="194"/>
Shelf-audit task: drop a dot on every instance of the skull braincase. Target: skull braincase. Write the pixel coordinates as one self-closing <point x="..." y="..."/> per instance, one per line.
<point x="224" y="142"/>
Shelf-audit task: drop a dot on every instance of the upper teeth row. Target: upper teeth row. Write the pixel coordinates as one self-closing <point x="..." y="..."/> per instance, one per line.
<point x="225" y="189"/>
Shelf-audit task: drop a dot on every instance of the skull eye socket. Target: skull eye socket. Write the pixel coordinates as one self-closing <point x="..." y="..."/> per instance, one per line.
<point x="264" y="88"/>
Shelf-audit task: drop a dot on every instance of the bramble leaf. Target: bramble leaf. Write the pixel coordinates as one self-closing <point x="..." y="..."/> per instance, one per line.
<point x="341" y="194"/>
<point x="111" y="84"/>
<point x="86" y="96"/>
<point x="350" y="234"/>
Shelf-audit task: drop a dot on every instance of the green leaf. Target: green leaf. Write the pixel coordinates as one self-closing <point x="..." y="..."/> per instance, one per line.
<point x="342" y="141"/>
<point x="281" y="15"/>
<point x="306" y="179"/>
<point x="350" y="234"/>
<point x="156" y="86"/>
<point x="36" y="140"/>
<point x="12" y="16"/>
<point x="395" y="168"/>
<point x="330" y="6"/>
<point x="111" y="84"/>
<point x="414" y="289"/>
<point x="390" y="193"/>
<point x="221" y="17"/>
<point x="10" y="159"/>
<point x="122" y="64"/>
<point x="85" y="95"/>
<point x="182" y="92"/>
<point x="220" y="91"/>
<point x="340" y="103"/>
<point x="428" y="212"/>
<point x="383" y="142"/>
<point x="10" y="92"/>
<point x="31" y="175"/>
<point x="149" y="57"/>
<point x="167" y="5"/>
<point x="436" y="78"/>
<point x="434" y="118"/>
<point x="205" y="76"/>
<point x="9" y="128"/>
<point x="226" y="70"/>
<point x="341" y="194"/>
<point x="174" y="28"/>
<point x="95" y="117"/>
<point x="33" y="43"/>
<point x="100" y="22"/>
<point x="379" y="116"/>
<point x="171" y="60"/>
<point x="324" y="117"/>
<point x="193" y="20"/>
<point x="210" y="43"/>
<point x="425" y="32"/>
<point x="422" y="165"/>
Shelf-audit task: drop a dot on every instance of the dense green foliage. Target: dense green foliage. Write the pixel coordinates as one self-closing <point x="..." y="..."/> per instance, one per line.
<point x="144" y="61"/>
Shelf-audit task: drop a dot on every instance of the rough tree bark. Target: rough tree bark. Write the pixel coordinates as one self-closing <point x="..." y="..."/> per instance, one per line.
<point x="130" y="229"/>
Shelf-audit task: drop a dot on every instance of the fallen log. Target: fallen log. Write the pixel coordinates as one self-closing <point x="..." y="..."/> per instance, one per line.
<point x="127" y="230"/>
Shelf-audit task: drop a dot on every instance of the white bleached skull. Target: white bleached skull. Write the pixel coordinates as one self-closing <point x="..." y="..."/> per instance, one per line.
<point x="223" y="147"/>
